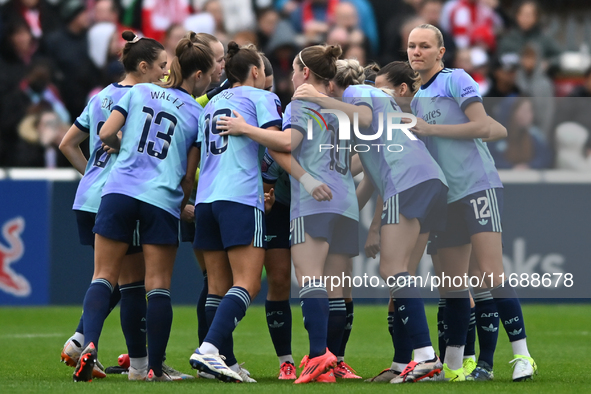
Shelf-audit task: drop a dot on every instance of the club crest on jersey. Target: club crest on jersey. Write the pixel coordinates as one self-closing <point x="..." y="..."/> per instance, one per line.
<point x="279" y="109"/>
<point x="11" y="250"/>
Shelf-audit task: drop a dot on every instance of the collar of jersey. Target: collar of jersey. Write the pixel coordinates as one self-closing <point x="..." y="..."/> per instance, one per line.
<point x="183" y="90"/>
<point x="117" y="85"/>
<point x="425" y="86"/>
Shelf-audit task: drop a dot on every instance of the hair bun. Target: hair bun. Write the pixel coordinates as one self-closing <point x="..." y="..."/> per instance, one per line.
<point x="372" y="67"/>
<point x="128" y="35"/>
<point x="233" y="49"/>
<point x="333" y="51"/>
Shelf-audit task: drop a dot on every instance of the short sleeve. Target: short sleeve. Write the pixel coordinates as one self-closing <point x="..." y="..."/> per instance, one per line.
<point x="463" y="89"/>
<point x="83" y="121"/>
<point x="355" y="96"/>
<point x="294" y="117"/>
<point x="201" y="127"/>
<point x="124" y="103"/>
<point x="270" y="169"/>
<point x="268" y="110"/>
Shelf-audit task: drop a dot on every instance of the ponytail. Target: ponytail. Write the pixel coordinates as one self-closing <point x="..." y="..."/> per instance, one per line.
<point x="189" y="58"/>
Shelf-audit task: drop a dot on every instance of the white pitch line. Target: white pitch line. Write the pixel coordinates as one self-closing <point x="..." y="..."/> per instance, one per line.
<point x="27" y="336"/>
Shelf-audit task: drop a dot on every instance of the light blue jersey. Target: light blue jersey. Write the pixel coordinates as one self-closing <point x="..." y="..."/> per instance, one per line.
<point x="231" y="165"/>
<point x="274" y="174"/>
<point x="98" y="109"/>
<point x="329" y="166"/>
<point x="161" y="125"/>
<point x="466" y="163"/>
<point x="393" y="165"/>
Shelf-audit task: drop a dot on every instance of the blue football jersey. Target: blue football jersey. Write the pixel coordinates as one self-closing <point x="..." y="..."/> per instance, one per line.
<point x="397" y="164"/>
<point x="467" y="164"/>
<point x="231" y="165"/>
<point x="274" y="174"/>
<point x="330" y="166"/>
<point x="160" y="128"/>
<point x="96" y="112"/>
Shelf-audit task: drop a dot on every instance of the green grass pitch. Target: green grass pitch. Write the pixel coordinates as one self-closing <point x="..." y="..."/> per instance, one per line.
<point x="31" y="339"/>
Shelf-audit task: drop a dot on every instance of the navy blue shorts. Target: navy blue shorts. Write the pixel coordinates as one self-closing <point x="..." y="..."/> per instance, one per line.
<point x="118" y="215"/>
<point x="432" y="244"/>
<point x="223" y="224"/>
<point x="341" y="232"/>
<point x="426" y="201"/>
<point x="478" y="212"/>
<point x="86" y="222"/>
<point x="277" y="222"/>
<point x="187" y="231"/>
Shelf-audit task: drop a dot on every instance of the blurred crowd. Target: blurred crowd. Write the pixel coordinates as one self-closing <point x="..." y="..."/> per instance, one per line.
<point x="55" y="54"/>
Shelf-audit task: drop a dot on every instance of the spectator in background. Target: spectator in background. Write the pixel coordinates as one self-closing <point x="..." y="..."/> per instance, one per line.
<point x="313" y="18"/>
<point x="40" y="16"/>
<point x="529" y="31"/>
<point x="245" y="37"/>
<point x="356" y="52"/>
<point x="576" y="109"/>
<point x="158" y="15"/>
<point x="503" y="84"/>
<point x="430" y="11"/>
<point x="571" y="152"/>
<point x="394" y="48"/>
<point x="68" y="48"/>
<point x="504" y="76"/>
<point x="472" y="22"/>
<point x="17" y="49"/>
<point x="281" y="51"/>
<point x="40" y="133"/>
<point x="172" y="36"/>
<point x="105" y="46"/>
<point x="525" y="146"/>
<point x="533" y="82"/>
<point x="214" y="7"/>
<point x="266" y="25"/>
<point x="474" y="61"/>
<point x="366" y="21"/>
<point x="106" y="11"/>
<point x="35" y="88"/>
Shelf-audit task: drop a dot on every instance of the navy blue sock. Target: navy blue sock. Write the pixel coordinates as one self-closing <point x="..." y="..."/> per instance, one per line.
<point x="337" y="318"/>
<point x="212" y="303"/>
<point x="211" y="306"/>
<point x="487" y="324"/>
<point x="115" y="297"/>
<point x="279" y="323"/>
<point x="314" y="301"/>
<point x="441" y="327"/>
<point x="202" y="325"/>
<point x="411" y="309"/>
<point x="158" y="323"/>
<point x="80" y="327"/>
<point x="348" y="328"/>
<point x="400" y="339"/>
<point x="509" y="311"/>
<point x="469" y="349"/>
<point x="96" y="310"/>
<point x="231" y="310"/>
<point x="457" y="317"/>
<point x="133" y="318"/>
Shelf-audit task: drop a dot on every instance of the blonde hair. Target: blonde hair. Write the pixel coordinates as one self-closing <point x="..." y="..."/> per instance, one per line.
<point x="349" y="72"/>
<point x="189" y="58"/>
<point x="438" y="35"/>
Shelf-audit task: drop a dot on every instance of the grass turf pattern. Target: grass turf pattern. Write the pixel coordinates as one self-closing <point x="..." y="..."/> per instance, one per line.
<point x="31" y="340"/>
